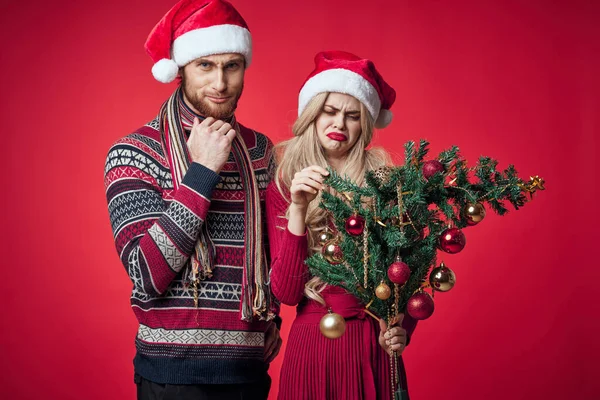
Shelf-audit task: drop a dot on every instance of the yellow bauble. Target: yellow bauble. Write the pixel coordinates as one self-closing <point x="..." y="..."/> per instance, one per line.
<point x="442" y="278"/>
<point x="474" y="213"/>
<point x="383" y="291"/>
<point x="332" y="325"/>
<point x="325" y="237"/>
<point x="332" y="252"/>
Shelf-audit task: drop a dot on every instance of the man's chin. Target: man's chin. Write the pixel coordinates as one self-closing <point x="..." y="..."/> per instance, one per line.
<point x="219" y="111"/>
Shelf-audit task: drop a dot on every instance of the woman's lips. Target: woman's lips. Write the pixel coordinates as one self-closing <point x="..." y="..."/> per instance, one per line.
<point x="337" y="136"/>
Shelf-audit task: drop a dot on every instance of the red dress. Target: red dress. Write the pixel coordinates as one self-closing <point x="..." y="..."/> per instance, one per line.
<point x="351" y="367"/>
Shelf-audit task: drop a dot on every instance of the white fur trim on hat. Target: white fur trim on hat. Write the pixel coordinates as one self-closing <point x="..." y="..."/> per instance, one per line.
<point x="217" y="39"/>
<point x="165" y="70"/>
<point x="384" y="119"/>
<point x="341" y="80"/>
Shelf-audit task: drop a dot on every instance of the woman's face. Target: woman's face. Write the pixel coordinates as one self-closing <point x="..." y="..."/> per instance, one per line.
<point x="338" y="125"/>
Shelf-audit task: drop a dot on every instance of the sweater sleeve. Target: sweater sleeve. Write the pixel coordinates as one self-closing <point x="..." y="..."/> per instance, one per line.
<point x="154" y="239"/>
<point x="289" y="273"/>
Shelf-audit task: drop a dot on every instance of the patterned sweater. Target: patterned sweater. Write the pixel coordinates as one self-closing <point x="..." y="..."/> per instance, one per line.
<point x="155" y="229"/>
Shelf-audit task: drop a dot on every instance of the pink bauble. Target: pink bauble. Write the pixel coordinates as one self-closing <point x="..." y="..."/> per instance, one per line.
<point x="432" y="167"/>
<point x="399" y="272"/>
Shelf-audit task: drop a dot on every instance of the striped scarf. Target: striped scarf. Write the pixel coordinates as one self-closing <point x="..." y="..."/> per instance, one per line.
<point x="256" y="296"/>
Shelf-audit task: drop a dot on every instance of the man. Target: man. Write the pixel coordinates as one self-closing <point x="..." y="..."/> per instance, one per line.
<point x="184" y="197"/>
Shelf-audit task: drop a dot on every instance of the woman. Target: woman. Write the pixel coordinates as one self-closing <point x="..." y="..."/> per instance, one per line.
<point x="339" y="104"/>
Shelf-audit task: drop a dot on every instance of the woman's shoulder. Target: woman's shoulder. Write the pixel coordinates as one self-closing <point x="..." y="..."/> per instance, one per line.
<point x="275" y="196"/>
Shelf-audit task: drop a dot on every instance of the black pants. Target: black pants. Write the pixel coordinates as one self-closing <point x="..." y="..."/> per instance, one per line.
<point x="147" y="390"/>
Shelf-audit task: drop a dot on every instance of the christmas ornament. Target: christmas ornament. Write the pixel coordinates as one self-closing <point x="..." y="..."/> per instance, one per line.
<point x="325" y="237"/>
<point x="382" y="175"/>
<point x="420" y="305"/>
<point x="332" y="252"/>
<point x="383" y="291"/>
<point x="332" y="325"/>
<point x="535" y="183"/>
<point x="474" y="213"/>
<point x="398" y="272"/>
<point x="432" y="167"/>
<point x="442" y="278"/>
<point x="452" y="240"/>
<point x="355" y="225"/>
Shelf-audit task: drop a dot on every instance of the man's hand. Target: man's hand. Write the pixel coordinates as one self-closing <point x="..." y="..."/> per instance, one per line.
<point x="210" y="143"/>
<point x="272" y="342"/>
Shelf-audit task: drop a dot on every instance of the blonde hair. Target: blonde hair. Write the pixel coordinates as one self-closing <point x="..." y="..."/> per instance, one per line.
<point x="304" y="150"/>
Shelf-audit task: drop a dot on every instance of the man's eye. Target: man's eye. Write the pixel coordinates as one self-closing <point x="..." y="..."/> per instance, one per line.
<point x="232" y="66"/>
<point x="203" y="65"/>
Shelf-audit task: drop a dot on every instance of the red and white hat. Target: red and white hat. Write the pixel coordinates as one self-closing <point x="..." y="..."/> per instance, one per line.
<point x="342" y="72"/>
<point x="193" y="29"/>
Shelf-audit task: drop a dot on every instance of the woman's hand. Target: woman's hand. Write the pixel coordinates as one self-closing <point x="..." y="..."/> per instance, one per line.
<point x="393" y="339"/>
<point x="306" y="185"/>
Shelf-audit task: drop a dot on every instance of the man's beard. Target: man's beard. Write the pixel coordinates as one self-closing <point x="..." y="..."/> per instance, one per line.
<point x="218" y="111"/>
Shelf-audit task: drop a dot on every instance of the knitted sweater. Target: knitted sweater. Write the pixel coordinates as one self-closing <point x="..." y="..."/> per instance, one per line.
<point x="155" y="229"/>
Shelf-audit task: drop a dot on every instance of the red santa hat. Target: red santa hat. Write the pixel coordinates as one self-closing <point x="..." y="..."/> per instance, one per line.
<point x="342" y="72"/>
<point x="193" y="29"/>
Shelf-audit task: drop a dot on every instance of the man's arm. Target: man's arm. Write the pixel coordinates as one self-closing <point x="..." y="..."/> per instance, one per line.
<point x="153" y="241"/>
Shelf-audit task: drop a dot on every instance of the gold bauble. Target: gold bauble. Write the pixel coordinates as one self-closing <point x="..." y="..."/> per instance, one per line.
<point x="383" y="291"/>
<point x="442" y="278"/>
<point x="332" y="252"/>
<point x="325" y="237"/>
<point x="382" y="175"/>
<point x="332" y="325"/>
<point x="474" y="213"/>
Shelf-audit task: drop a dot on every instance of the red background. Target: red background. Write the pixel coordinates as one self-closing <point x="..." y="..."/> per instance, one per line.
<point x="517" y="81"/>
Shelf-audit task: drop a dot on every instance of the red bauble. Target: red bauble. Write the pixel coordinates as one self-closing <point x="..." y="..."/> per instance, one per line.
<point x="452" y="240"/>
<point x="398" y="272"/>
<point x="420" y="306"/>
<point x="355" y="225"/>
<point x="432" y="167"/>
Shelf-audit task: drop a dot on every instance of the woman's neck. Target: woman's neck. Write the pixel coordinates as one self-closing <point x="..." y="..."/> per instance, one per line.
<point x="337" y="163"/>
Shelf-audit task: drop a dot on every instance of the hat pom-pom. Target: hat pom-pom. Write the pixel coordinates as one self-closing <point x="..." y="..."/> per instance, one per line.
<point x="383" y="119"/>
<point x="165" y="70"/>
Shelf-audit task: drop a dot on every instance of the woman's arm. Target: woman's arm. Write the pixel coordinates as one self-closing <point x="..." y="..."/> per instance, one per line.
<point x="289" y="274"/>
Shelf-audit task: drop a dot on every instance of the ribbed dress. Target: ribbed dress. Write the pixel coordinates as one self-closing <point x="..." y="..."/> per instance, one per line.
<point x="351" y="367"/>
